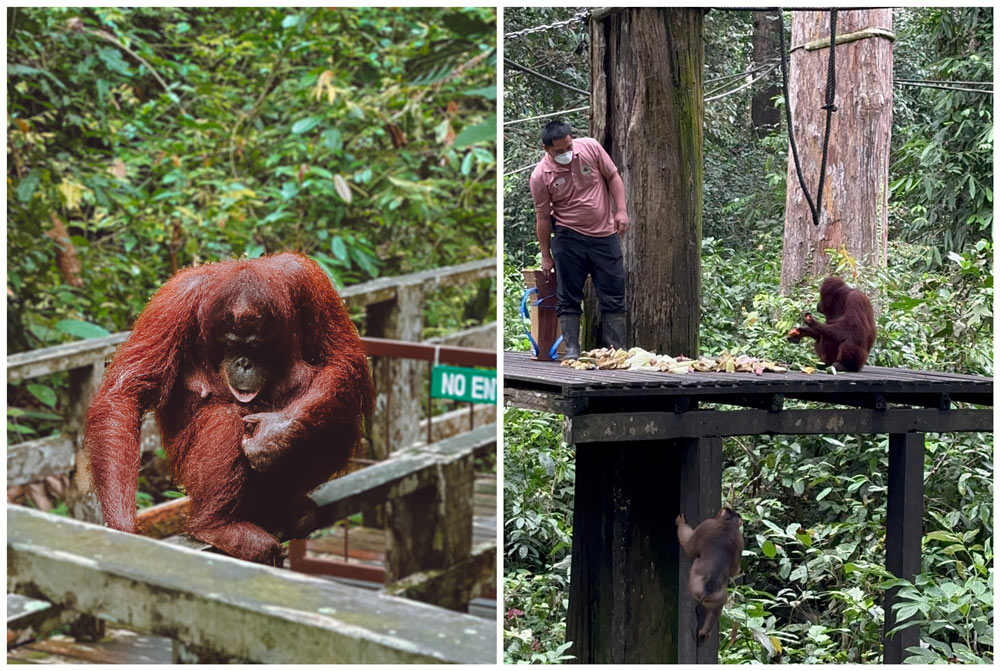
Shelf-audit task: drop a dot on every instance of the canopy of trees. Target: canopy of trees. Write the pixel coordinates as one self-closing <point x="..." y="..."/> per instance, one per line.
<point x="143" y="140"/>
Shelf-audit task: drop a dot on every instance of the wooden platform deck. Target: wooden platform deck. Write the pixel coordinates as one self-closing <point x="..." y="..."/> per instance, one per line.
<point x="529" y="383"/>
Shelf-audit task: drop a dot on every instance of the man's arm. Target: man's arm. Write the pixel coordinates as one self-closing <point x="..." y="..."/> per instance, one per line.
<point x="543" y="230"/>
<point x="615" y="185"/>
<point x="543" y="222"/>
<point x="617" y="188"/>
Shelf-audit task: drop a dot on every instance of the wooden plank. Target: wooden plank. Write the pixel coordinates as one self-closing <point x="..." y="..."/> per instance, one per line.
<point x="225" y="608"/>
<point x="399" y="384"/>
<point x="588" y="617"/>
<point x="480" y="337"/>
<point x="904" y="531"/>
<point x="119" y="646"/>
<point x="164" y="519"/>
<point x="48" y="360"/>
<point x="544" y="401"/>
<point x="23" y="611"/>
<point x="385" y="288"/>
<point x="455" y="422"/>
<point x="35" y="460"/>
<point x="403" y="473"/>
<point x="643" y="426"/>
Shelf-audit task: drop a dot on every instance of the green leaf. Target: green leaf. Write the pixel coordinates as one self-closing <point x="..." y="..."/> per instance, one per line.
<point x="484" y="131"/>
<point x="488" y="92"/>
<point x="43" y="393"/>
<point x="822" y="494"/>
<point x="365" y="261"/>
<point x="81" y="329"/>
<point x="332" y="140"/>
<point x="769" y="550"/>
<point x="339" y="249"/>
<point x="112" y="57"/>
<point x="290" y="21"/>
<point x="467" y="163"/>
<point x="305" y="125"/>
<point x="26" y="187"/>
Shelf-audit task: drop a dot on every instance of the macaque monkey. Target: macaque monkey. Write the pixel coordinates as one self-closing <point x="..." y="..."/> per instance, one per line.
<point x="715" y="547"/>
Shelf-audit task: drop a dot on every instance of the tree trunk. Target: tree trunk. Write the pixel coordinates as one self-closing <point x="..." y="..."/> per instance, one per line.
<point x="855" y="194"/>
<point x="763" y="114"/>
<point x="647" y="111"/>
<point x="627" y="602"/>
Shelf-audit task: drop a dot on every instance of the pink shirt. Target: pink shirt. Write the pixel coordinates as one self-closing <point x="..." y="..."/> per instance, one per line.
<point x="577" y="194"/>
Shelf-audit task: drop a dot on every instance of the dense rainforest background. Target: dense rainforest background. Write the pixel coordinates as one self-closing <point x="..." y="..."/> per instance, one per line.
<point x="813" y="507"/>
<point x="144" y="140"/>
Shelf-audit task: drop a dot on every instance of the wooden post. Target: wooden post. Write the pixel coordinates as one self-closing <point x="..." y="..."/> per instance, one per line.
<point x="396" y="424"/>
<point x="81" y="498"/>
<point x="904" y="529"/>
<point x="544" y="322"/>
<point x="431" y="528"/>
<point x="398" y="392"/>
<point x="628" y="600"/>
<point x="701" y="495"/>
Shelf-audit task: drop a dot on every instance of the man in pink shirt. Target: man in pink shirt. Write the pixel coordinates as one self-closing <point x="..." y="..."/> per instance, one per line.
<point x="570" y="188"/>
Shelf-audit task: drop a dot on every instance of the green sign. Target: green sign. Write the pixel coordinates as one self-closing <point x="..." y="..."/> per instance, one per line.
<point x="471" y="385"/>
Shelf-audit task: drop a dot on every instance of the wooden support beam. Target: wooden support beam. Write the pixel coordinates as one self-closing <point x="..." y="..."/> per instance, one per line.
<point x="903" y="534"/>
<point x="700" y="486"/>
<point x="628" y="601"/>
<point x="642" y="426"/>
<point x="223" y="608"/>
<point x="544" y="401"/>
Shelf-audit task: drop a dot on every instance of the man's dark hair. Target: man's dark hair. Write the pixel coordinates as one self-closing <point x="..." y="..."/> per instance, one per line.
<point x="555" y="130"/>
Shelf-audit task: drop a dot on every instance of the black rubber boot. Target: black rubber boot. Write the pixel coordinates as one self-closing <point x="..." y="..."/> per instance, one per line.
<point x="613" y="326"/>
<point x="570" y="325"/>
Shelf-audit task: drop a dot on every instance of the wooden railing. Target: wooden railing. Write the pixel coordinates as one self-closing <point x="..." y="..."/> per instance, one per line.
<point x="224" y="609"/>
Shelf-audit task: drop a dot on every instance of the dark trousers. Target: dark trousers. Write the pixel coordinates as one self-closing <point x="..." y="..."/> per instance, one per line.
<point x="576" y="256"/>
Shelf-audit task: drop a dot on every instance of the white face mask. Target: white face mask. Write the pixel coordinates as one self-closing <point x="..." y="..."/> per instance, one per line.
<point x="564" y="159"/>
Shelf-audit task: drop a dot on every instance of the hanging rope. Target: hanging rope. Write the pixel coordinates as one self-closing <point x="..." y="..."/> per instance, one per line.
<point x="831" y="89"/>
<point x="829" y="106"/>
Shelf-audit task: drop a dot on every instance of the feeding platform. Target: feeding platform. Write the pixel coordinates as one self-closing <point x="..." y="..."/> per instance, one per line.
<point x="649" y="446"/>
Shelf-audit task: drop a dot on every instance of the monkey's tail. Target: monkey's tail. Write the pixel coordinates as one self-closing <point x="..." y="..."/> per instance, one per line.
<point x="852" y="357"/>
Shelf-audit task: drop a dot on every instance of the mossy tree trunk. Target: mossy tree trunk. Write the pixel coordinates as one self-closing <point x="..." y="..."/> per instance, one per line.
<point x="647" y="111"/>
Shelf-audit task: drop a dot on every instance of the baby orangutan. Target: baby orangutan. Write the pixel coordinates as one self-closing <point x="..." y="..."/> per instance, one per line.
<point x="715" y="547"/>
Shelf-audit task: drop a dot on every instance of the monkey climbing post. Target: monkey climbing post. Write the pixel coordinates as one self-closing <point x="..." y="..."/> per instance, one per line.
<point x="648" y="446"/>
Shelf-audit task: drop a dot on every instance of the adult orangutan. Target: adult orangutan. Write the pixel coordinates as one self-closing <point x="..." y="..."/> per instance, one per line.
<point x="259" y="384"/>
<point x="849" y="332"/>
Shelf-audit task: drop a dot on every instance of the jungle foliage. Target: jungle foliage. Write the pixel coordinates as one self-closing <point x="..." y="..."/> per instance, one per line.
<point x="164" y="137"/>
<point x="813" y="506"/>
